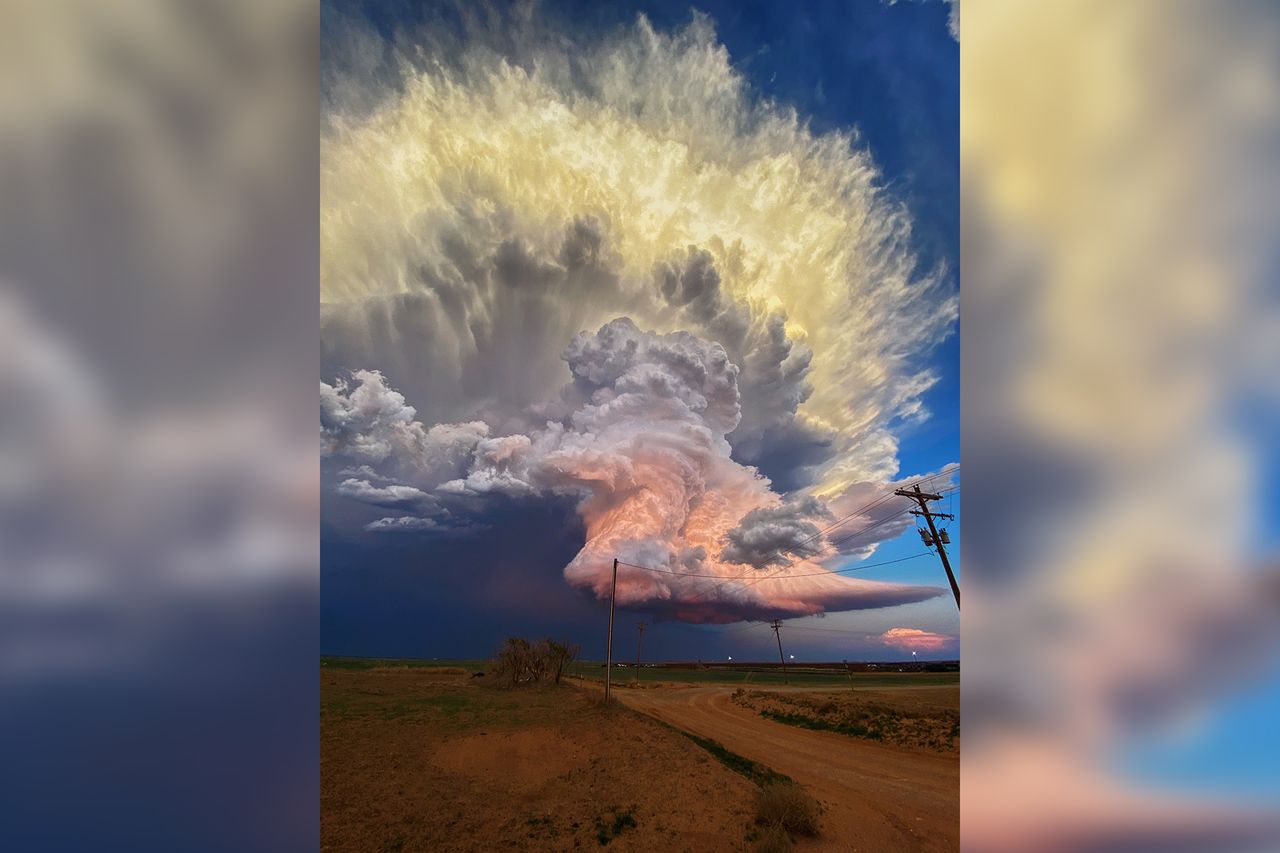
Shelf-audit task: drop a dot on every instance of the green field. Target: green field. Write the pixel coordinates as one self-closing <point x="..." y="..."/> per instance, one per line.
<point x="747" y="676"/>
<point x="716" y="674"/>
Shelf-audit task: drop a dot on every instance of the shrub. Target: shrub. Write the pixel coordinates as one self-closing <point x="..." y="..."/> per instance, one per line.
<point x="559" y="656"/>
<point x="522" y="662"/>
<point x="773" y="839"/>
<point x="786" y="806"/>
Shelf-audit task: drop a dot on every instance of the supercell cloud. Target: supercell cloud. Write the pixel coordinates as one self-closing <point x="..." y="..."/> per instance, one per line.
<point x="756" y="324"/>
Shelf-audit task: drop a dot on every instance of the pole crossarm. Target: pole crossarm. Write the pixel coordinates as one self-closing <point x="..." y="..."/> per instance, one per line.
<point x="916" y="493"/>
<point x="948" y="516"/>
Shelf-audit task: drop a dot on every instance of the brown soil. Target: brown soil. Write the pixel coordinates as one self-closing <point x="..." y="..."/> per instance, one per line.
<point x="422" y="761"/>
<point x="927" y="717"/>
<point x="876" y="797"/>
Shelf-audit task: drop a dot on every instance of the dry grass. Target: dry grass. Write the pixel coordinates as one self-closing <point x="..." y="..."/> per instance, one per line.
<point x="921" y="718"/>
<point x="785" y="806"/>
<point x="773" y="839"/>
<point x="410" y="761"/>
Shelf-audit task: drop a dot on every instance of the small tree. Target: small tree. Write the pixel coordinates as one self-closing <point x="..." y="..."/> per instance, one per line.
<point x="559" y="656"/>
<point x="512" y="663"/>
<point x="519" y="662"/>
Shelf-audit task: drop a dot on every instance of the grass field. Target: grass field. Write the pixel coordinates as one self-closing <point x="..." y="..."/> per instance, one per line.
<point x="746" y="676"/>
<point x="421" y="757"/>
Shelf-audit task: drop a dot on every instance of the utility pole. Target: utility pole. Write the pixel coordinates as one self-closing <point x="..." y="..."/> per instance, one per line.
<point x="776" y="625"/>
<point x="932" y="538"/>
<point x="639" y="640"/>
<point x="608" y="661"/>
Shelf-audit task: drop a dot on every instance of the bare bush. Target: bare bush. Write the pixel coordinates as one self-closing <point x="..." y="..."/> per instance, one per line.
<point x="521" y="662"/>
<point x="786" y="806"/>
<point x="559" y="656"/>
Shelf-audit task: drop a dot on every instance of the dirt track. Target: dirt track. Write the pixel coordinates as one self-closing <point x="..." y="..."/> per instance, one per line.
<point x="875" y="797"/>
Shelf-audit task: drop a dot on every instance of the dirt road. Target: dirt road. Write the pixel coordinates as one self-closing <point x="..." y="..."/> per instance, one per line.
<point x="875" y="797"/>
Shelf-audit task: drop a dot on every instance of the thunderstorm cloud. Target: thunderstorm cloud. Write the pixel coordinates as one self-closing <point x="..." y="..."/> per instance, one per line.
<point x="614" y="273"/>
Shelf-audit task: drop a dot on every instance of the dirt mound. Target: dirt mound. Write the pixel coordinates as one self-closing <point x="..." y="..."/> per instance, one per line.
<point x="520" y="760"/>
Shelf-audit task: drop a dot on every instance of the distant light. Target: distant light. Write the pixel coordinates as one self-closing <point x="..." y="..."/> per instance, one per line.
<point x="793" y="657"/>
<point x="730" y="657"/>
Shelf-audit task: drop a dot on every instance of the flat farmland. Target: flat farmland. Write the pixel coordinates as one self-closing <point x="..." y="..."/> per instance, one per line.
<point x="426" y="759"/>
<point x="746" y="675"/>
<point x="421" y="755"/>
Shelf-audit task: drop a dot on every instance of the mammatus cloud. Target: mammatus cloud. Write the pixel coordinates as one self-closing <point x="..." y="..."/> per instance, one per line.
<point x="639" y="436"/>
<point x="916" y="640"/>
<point x="480" y="207"/>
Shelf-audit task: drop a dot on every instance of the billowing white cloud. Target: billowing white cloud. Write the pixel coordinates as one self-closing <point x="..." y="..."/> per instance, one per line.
<point x="365" y="420"/>
<point x="395" y="495"/>
<point x="415" y="524"/>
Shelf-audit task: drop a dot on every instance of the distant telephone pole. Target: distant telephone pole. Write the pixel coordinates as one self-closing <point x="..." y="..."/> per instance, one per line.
<point x="777" y="625"/>
<point x="608" y="661"/>
<point x="639" y="640"/>
<point x="933" y="538"/>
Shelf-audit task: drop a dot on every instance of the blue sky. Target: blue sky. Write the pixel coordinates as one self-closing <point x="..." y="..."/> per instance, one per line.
<point x="891" y="72"/>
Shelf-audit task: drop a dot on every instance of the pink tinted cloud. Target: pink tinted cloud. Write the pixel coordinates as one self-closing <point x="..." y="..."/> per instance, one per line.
<point x="916" y="640"/>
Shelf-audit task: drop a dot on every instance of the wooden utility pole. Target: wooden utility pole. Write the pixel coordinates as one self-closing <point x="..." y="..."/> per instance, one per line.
<point x="608" y="661"/>
<point x="776" y="625"/>
<point x="932" y="538"/>
<point x="639" y="640"/>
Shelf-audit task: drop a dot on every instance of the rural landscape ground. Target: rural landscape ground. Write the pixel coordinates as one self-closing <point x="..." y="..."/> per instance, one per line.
<point x="421" y="755"/>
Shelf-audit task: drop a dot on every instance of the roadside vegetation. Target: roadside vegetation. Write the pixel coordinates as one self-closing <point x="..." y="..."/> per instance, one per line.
<point x="783" y="809"/>
<point x="785" y="806"/>
<point x="910" y="722"/>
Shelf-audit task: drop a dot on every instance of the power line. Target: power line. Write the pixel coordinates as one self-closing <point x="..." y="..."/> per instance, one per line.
<point x="826" y="630"/>
<point x="860" y="511"/>
<point x="855" y="534"/>
<point x="886" y="519"/>
<point x="857" y="568"/>
<point x="744" y="628"/>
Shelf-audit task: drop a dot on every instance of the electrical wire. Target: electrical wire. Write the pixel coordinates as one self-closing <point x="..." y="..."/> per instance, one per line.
<point x="857" y="568"/>
<point x="857" y="512"/>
